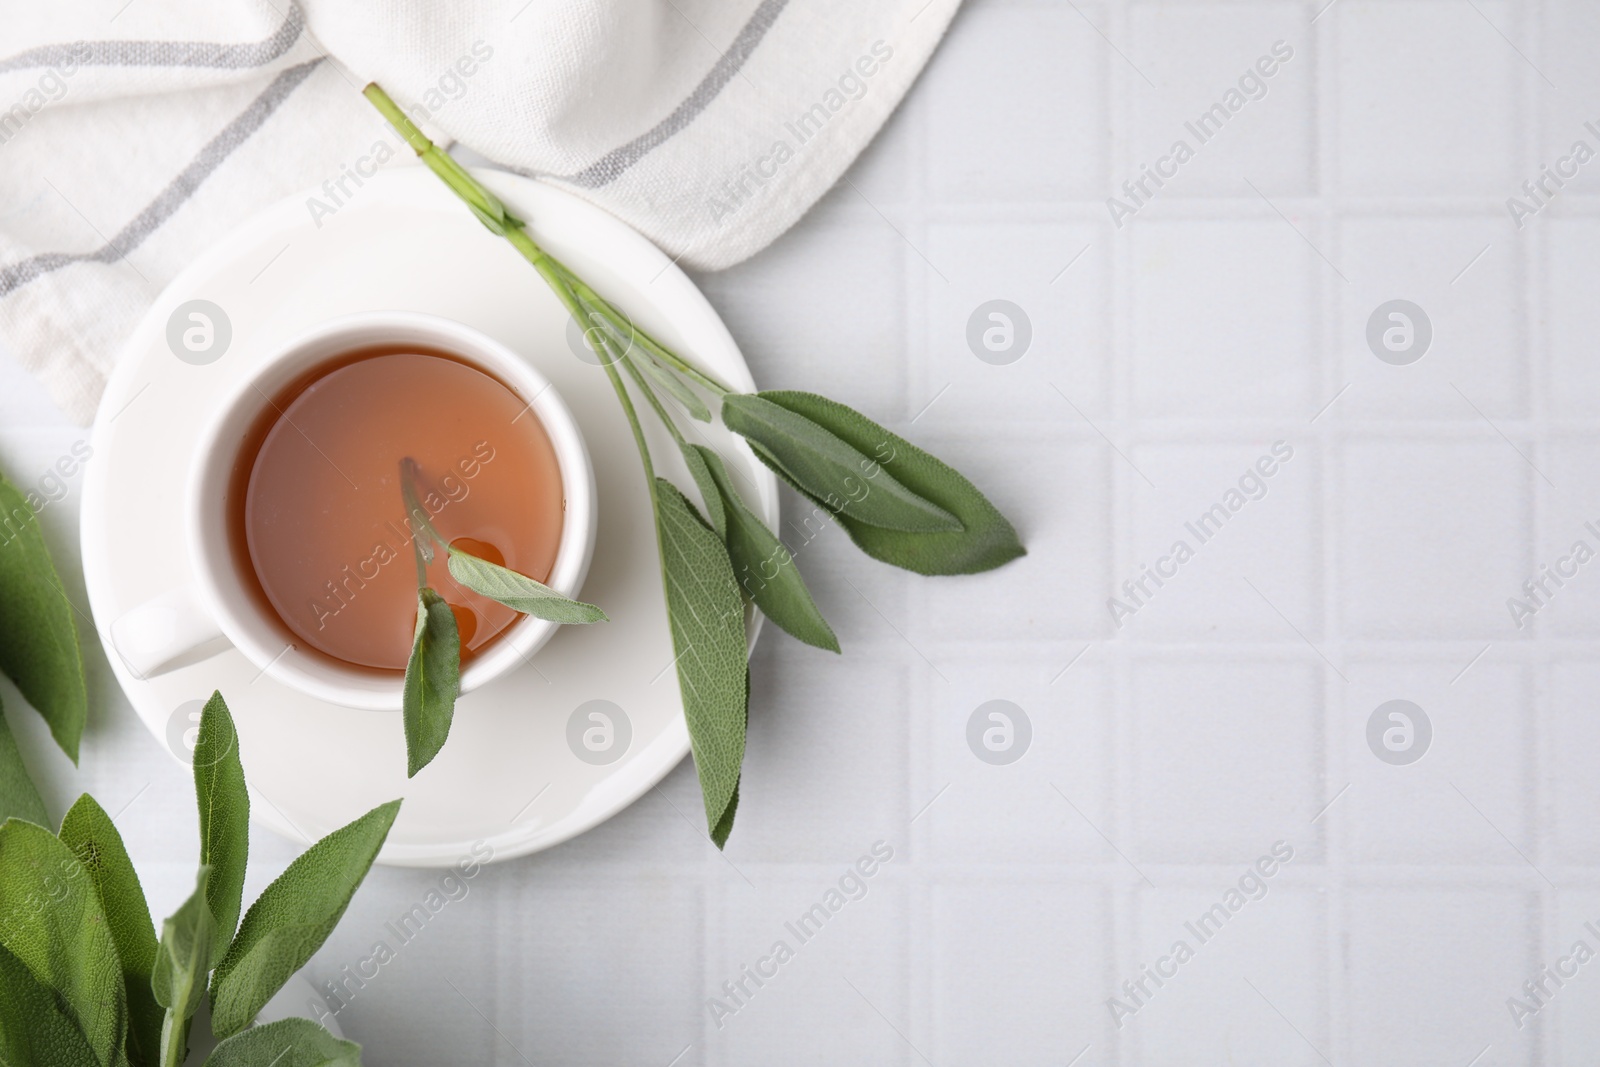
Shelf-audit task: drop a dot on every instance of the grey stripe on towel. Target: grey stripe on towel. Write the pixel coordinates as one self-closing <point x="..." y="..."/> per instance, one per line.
<point x="164" y="53"/>
<point x="611" y="166"/>
<point x="179" y="190"/>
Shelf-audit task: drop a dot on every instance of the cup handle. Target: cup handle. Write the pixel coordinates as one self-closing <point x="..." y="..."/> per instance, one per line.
<point x="165" y="633"/>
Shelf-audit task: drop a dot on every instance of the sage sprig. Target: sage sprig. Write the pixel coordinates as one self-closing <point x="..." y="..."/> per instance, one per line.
<point x="179" y="977"/>
<point x="899" y="504"/>
<point x="40" y="652"/>
<point x="94" y="839"/>
<point x="18" y="795"/>
<point x="83" y="979"/>
<point x="433" y="671"/>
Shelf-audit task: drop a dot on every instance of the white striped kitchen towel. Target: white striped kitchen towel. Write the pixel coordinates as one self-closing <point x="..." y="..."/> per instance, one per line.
<point x="135" y="132"/>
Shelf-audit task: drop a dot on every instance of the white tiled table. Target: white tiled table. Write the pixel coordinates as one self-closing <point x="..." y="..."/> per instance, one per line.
<point x="1230" y="711"/>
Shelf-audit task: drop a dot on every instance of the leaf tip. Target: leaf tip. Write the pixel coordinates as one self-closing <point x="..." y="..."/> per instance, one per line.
<point x="387" y="812"/>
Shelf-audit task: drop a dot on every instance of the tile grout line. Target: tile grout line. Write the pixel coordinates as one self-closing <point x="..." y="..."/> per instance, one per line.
<point x="1528" y="255"/>
<point x="1330" y="436"/>
<point x="916" y="983"/>
<point x="1123" y="902"/>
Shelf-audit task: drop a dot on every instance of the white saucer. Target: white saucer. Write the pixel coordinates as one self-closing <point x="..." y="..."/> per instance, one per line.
<point x="507" y="776"/>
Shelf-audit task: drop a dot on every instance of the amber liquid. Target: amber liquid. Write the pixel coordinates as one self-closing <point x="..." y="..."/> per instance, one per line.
<point x="323" y="523"/>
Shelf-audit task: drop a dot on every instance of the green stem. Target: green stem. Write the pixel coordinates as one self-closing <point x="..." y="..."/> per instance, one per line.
<point x="576" y="309"/>
<point x="483" y="203"/>
<point x="421" y="527"/>
<point x="174" y="1037"/>
<point x="655" y="401"/>
<point x="651" y="345"/>
<point x="493" y="213"/>
<point x="638" y="431"/>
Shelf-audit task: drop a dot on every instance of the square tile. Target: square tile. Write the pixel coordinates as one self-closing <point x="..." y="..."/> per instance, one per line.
<point x="1218" y="526"/>
<point x="1051" y="944"/>
<point x="1567" y="31"/>
<point x="996" y="89"/>
<point x="1566" y="1016"/>
<point x="1573" y="785"/>
<point x="1023" y="316"/>
<point x="1227" y="758"/>
<point x="1015" y="802"/>
<point x="1428" y="971"/>
<point x="1467" y="279"/>
<point x="1470" y="782"/>
<point x="1560" y="594"/>
<point x="1572" y="271"/>
<point x="1237" y="121"/>
<point x="1222" y="319"/>
<point x="538" y="919"/>
<point x="1417" y="115"/>
<point x="1215" y="1006"/>
<point x="1433" y="536"/>
<point x="813" y="964"/>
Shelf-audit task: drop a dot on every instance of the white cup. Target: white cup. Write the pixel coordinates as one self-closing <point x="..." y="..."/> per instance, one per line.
<point x="217" y="607"/>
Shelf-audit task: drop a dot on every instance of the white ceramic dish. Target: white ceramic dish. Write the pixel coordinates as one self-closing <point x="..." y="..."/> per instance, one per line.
<point x="508" y="777"/>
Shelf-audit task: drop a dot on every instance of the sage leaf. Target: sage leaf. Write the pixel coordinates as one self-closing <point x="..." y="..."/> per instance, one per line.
<point x="178" y="979"/>
<point x="19" y="797"/>
<point x="433" y="680"/>
<point x="293" y="917"/>
<point x="986" y="539"/>
<point x="285" y="1043"/>
<point x="763" y="567"/>
<point x="39" y="648"/>
<point x="708" y="487"/>
<point x="35" y="1030"/>
<point x="89" y="832"/>
<point x="675" y="386"/>
<point x="706" y="614"/>
<point x="224" y="807"/>
<point x="830" y="468"/>
<point x="519" y="592"/>
<point x="50" y="920"/>
<point x="724" y="827"/>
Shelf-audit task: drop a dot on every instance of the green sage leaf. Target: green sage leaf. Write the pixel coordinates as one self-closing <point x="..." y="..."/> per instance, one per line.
<point x="39" y="648"/>
<point x="724" y="827"/>
<point x="986" y="539"/>
<point x="19" y="797"/>
<point x="707" y="486"/>
<point x="763" y="567"/>
<point x="433" y="681"/>
<point x="178" y="979"/>
<point x="35" y="1030"/>
<point x="706" y="614"/>
<point x="830" y="468"/>
<point x="285" y="1043"/>
<point x="519" y="592"/>
<point x="224" y="805"/>
<point x="94" y="839"/>
<point x="50" y="920"/>
<point x="293" y="917"/>
<point x="675" y="386"/>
